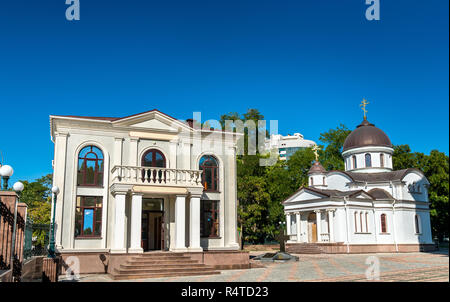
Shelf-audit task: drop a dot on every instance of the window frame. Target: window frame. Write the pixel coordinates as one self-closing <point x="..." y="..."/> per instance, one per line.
<point x="94" y="214"/>
<point x="383" y="222"/>
<point x="368" y="159"/>
<point x="355" y="164"/>
<point x="417" y="224"/>
<point x="216" y="216"/>
<point x="215" y="179"/>
<point x="84" y="169"/>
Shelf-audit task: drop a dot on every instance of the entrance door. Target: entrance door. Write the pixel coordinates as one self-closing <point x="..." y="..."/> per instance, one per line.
<point x="155" y="159"/>
<point x="152" y="236"/>
<point x="312" y="227"/>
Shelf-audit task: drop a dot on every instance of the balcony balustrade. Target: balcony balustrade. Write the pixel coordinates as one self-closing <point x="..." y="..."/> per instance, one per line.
<point x="156" y="176"/>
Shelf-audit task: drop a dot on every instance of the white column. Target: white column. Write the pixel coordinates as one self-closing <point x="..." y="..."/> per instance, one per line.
<point x="331" y="224"/>
<point x="180" y="220"/>
<point x="288" y="224"/>
<point x="118" y="245"/>
<point x="299" y="235"/>
<point x="319" y="226"/>
<point x="59" y="172"/>
<point x="194" y="224"/>
<point x="136" y="221"/>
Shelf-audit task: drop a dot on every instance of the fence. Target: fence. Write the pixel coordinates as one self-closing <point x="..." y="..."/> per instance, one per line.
<point x="36" y="239"/>
<point x="6" y="237"/>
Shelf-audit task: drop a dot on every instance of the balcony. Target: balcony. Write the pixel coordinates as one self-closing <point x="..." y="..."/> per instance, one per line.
<point x="152" y="176"/>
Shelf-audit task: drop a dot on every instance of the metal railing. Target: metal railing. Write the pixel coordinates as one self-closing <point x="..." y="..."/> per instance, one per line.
<point x="36" y="239"/>
<point x="156" y="176"/>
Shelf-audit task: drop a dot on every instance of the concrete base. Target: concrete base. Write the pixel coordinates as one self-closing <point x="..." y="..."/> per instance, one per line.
<point x="341" y="248"/>
<point x="101" y="263"/>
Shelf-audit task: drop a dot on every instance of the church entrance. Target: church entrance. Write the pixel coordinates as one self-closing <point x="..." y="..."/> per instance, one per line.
<point x="312" y="228"/>
<point x="152" y="235"/>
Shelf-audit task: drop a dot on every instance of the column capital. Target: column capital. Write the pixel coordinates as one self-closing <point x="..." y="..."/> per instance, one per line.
<point x="331" y="210"/>
<point x="137" y="194"/>
<point x="61" y="134"/>
<point x="317" y="211"/>
<point x="120" y="139"/>
<point x="134" y="139"/>
<point x="120" y="189"/>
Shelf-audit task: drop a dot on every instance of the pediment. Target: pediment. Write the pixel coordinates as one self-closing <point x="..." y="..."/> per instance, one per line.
<point x="305" y="194"/>
<point x="362" y="195"/>
<point x="154" y="121"/>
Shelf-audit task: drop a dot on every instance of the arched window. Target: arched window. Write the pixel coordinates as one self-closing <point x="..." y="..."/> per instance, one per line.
<point x="210" y="176"/>
<point x="382" y="160"/>
<point x="153" y="158"/>
<point x="323" y="180"/>
<point x="312" y="181"/>
<point x="383" y="223"/>
<point x="417" y="224"/>
<point x="356" y="222"/>
<point x="90" y="167"/>
<point x="361" y="220"/>
<point x="355" y="166"/>
<point x="368" y="160"/>
<point x="367" y="223"/>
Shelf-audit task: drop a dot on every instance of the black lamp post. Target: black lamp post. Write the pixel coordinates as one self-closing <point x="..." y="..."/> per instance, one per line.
<point x="51" y="248"/>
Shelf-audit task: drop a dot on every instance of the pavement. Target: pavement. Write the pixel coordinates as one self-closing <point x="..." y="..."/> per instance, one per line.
<point x="412" y="267"/>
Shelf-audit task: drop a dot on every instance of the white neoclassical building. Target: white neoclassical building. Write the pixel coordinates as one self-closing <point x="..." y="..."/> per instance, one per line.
<point x="142" y="183"/>
<point x="369" y="207"/>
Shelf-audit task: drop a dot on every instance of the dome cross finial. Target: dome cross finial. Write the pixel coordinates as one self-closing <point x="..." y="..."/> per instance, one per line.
<point x="363" y="105"/>
<point x="315" y="150"/>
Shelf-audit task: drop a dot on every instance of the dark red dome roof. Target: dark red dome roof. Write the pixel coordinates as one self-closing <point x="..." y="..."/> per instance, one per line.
<point x="366" y="134"/>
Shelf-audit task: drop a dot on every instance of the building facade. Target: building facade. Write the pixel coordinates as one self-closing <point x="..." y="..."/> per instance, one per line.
<point x="369" y="207"/>
<point x="287" y="145"/>
<point x="141" y="183"/>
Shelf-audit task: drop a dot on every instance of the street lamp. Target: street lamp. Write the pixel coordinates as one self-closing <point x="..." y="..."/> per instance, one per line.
<point x="51" y="248"/>
<point x="6" y="172"/>
<point x="18" y="187"/>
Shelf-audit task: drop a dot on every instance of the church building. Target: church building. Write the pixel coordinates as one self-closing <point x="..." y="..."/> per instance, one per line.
<point x="144" y="183"/>
<point x="369" y="207"/>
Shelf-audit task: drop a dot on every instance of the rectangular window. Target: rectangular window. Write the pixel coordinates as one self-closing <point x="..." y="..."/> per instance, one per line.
<point x="209" y="218"/>
<point x="88" y="216"/>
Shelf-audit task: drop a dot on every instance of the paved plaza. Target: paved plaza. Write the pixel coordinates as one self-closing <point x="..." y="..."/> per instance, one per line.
<point x="324" y="267"/>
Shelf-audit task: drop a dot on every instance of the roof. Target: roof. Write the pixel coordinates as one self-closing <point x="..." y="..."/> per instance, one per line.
<point x="114" y="118"/>
<point x="397" y="175"/>
<point x="366" y="134"/>
<point x="380" y="194"/>
<point x="317" y="168"/>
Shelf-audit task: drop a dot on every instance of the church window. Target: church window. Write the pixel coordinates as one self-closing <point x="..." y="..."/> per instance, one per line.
<point x="367" y="222"/>
<point x="368" y="160"/>
<point x="312" y="181"/>
<point x="361" y="220"/>
<point x="209" y="219"/>
<point x="381" y="160"/>
<point x="383" y="223"/>
<point x="88" y="216"/>
<point x="354" y="162"/>
<point x="90" y="167"/>
<point x="210" y="176"/>
<point x="323" y="180"/>
<point x="356" y="222"/>
<point x="417" y="224"/>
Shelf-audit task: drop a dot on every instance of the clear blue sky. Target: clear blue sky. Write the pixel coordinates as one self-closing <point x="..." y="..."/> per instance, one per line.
<point x="306" y="63"/>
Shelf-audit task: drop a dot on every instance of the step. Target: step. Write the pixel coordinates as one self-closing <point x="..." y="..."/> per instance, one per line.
<point x="161" y="257"/>
<point x="175" y="271"/>
<point x="160" y="275"/>
<point x="151" y="261"/>
<point x="161" y="266"/>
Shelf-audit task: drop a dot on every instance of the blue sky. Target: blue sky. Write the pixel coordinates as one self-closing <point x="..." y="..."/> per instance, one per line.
<point x="305" y="63"/>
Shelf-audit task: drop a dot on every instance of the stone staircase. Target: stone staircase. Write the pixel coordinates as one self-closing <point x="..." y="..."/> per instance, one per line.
<point x="303" y="248"/>
<point x="161" y="264"/>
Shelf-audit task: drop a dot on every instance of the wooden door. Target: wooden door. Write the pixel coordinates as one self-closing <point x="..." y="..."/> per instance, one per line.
<point x="144" y="231"/>
<point x="312" y="227"/>
<point x="314" y="232"/>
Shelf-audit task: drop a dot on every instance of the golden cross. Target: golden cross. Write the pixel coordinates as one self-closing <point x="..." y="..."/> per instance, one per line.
<point x="315" y="149"/>
<point x="364" y="103"/>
